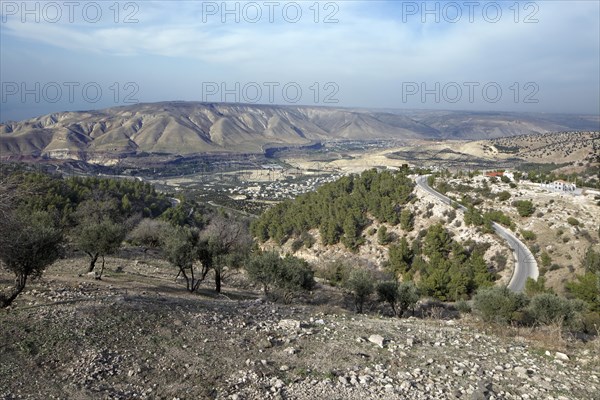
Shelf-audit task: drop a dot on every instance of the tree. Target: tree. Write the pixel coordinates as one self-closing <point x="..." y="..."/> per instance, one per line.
<point x="437" y="241"/>
<point x="407" y="220"/>
<point x="148" y="233"/>
<point x="179" y="246"/>
<point x="361" y="284"/>
<point x="472" y="216"/>
<point x="586" y="288"/>
<point x="400" y="258"/>
<point x="383" y="237"/>
<point x="289" y="275"/>
<point x="263" y="269"/>
<point x="98" y="239"/>
<point x="29" y="242"/>
<point x="223" y="244"/>
<point x="408" y="296"/>
<point x="504" y="195"/>
<point x="388" y="292"/>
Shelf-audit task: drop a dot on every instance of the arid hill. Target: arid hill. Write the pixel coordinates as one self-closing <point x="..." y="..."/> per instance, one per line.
<point x="191" y="128"/>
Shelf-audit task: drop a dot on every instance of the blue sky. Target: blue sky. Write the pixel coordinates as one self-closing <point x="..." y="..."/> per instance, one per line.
<point x="539" y="56"/>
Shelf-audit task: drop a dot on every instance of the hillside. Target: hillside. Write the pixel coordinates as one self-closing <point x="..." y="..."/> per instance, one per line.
<point x="191" y="128"/>
<point x="136" y="334"/>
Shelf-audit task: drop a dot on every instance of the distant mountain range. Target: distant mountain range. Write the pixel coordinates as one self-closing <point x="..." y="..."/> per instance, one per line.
<point x="185" y="128"/>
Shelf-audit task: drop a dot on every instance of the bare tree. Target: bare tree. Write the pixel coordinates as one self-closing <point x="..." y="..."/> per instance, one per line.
<point x="223" y="245"/>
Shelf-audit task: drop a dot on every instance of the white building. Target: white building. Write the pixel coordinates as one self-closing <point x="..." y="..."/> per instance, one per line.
<point x="560" y="186"/>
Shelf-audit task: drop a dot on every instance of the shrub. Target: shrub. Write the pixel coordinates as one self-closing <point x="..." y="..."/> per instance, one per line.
<point x="503" y="196"/>
<point x="451" y="216"/>
<point x="335" y="273"/>
<point x="525" y="208"/>
<point x="586" y="288"/>
<point x="499" y="304"/>
<point x="533" y="287"/>
<point x="528" y="235"/>
<point x="573" y="221"/>
<point x="545" y="259"/>
<point x="500" y="260"/>
<point x="463" y="307"/>
<point x="296" y="245"/>
<point x="295" y="274"/>
<point x="148" y="233"/>
<point x="548" y="308"/>
<point x="361" y="284"/>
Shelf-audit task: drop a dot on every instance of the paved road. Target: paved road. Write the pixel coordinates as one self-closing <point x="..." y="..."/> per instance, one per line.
<point x="525" y="264"/>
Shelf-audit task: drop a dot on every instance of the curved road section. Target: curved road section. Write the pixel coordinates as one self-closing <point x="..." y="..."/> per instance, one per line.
<point x="525" y="264"/>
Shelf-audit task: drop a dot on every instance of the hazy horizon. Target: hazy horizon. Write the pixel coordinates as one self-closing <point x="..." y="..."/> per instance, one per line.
<point x="539" y="57"/>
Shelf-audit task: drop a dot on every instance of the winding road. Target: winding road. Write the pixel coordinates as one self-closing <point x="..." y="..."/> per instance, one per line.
<point x="525" y="264"/>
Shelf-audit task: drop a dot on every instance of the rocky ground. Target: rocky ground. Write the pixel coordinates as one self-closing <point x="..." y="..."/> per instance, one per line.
<point x="138" y="334"/>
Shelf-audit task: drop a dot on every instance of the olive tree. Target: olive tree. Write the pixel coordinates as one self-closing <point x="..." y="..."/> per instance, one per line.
<point x="97" y="233"/>
<point x="29" y="242"/>
<point x="222" y="245"/>
<point x="180" y="248"/>
<point x="361" y="284"/>
<point x="288" y="275"/>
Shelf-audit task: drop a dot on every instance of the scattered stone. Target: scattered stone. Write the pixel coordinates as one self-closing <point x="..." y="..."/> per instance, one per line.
<point x="290" y="324"/>
<point x="377" y="339"/>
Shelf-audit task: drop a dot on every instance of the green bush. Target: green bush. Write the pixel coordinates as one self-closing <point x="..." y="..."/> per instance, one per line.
<point x="503" y="196"/>
<point x="525" y="208"/>
<point x="548" y="308"/>
<point x="297" y="245"/>
<point x="573" y="221"/>
<point x="499" y="304"/>
<point x="289" y="274"/>
<point x="463" y="307"/>
<point x="545" y="259"/>
<point x="528" y="235"/>
<point x="586" y="288"/>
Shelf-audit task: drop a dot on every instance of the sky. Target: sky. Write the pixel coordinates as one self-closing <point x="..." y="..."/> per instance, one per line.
<point x="530" y="56"/>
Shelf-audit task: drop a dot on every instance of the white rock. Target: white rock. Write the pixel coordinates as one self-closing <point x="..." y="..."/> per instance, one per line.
<point x="377" y="339"/>
<point x="289" y="324"/>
